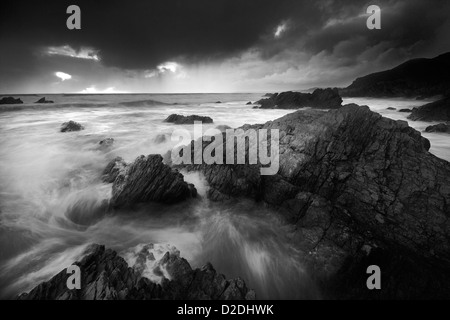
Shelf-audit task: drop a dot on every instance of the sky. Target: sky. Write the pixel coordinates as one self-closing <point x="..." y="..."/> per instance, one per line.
<point x="178" y="46"/>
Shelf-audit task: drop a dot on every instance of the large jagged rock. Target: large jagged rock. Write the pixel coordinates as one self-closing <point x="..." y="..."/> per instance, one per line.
<point x="320" y="99"/>
<point x="147" y="179"/>
<point x="435" y="111"/>
<point x="10" y="100"/>
<point x="107" y="276"/>
<point x="358" y="187"/>
<point x="71" y="126"/>
<point x="180" y="119"/>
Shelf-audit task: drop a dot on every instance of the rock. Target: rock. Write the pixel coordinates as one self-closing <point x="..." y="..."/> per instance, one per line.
<point x="349" y="178"/>
<point x="441" y="127"/>
<point x="417" y="77"/>
<point x="114" y="168"/>
<point x="405" y="110"/>
<point x="391" y="108"/>
<point x="147" y="179"/>
<point x="10" y="100"/>
<point x="269" y="94"/>
<point x="256" y="107"/>
<point x="107" y="276"/>
<point x="435" y="111"/>
<point x="160" y="138"/>
<point x="71" y="126"/>
<point x="106" y="143"/>
<point x="249" y="103"/>
<point x="179" y="119"/>
<point x="223" y="127"/>
<point x="218" y="101"/>
<point x="42" y="100"/>
<point x="320" y="98"/>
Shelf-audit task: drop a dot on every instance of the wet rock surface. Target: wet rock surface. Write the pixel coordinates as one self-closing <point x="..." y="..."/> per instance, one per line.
<point x="107" y="276"/>
<point x="10" y="100"/>
<point x="350" y="180"/>
<point x="435" y="111"/>
<point x="71" y="126"/>
<point x="320" y="98"/>
<point x="441" y="127"/>
<point x="147" y="179"/>
<point x="180" y="119"/>
<point x="43" y="100"/>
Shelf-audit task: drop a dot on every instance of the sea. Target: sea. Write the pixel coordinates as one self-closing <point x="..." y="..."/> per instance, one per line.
<point x="51" y="191"/>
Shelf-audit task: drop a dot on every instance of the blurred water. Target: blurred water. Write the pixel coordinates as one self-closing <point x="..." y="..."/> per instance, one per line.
<point x="50" y="191"/>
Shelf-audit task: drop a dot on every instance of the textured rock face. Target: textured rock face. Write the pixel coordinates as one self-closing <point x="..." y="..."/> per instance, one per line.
<point x="106" y="143"/>
<point x="441" y="127"/>
<point x="146" y="179"/>
<point x="435" y="111"/>
<point x="179" y="119"/>
<point x="71" y="126"/>
<point x="418" y="77"/>
<point x="355" y="184"/>
<point x="320" y="98"/>
<point x="10" y="100"/>
<point x="107" y="276"/>
<point x="43" y="100"/>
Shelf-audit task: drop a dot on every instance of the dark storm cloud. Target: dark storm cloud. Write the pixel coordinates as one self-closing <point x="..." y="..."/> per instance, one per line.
<point x="141" y="34"/>
<point x="324" y="37"/>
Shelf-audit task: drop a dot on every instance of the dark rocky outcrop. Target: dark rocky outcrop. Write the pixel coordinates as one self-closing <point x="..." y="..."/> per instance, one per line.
<point x="218" y="102"/>
<point x="320" y="98"/>
<point x="391" y="108"/>
<point x="180" y="119"/>
<point x="42" y="100"/>
<point x="71" y="126"/>
<point x="405" y="110"/>
<point x="359" y="188"/>
<point x="417" y="77"/>
<point x="435" y="111"/>
<point x="147" y="179"/>
<point x="10" y="100"/>
<point x="107" y="276"/>
<point x="441" y="127"/>
<point x="106" y="143"/>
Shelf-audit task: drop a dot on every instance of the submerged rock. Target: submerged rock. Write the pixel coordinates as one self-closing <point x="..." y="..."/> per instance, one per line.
<point x="350" y="178"/>
<point x="160" y="138"/>
<point x="180" y="119"/>
<point x="147" y="179"/>
<point x="405" y="110"/>
<point x="441" y="127"/>
<point x="106" y="143"/>
<point x="107" y="276"/>
<point x="435" y="111"/>
<point x="320" y="98"/>
<point x="42" y="100"/>
<point x="391" y="108"/>
<point x="10" y="100"/>
<point x="71" y="126"/>
<point x="249" y="103"/>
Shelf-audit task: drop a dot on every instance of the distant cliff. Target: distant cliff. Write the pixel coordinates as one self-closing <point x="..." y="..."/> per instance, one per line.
<point x="414" y="78"/>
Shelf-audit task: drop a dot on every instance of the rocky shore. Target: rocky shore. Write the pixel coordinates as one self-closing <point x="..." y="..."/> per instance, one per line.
<point x="356" y="188"/>
<point x="107" y="276"/>
<point x="320" y="99"/>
